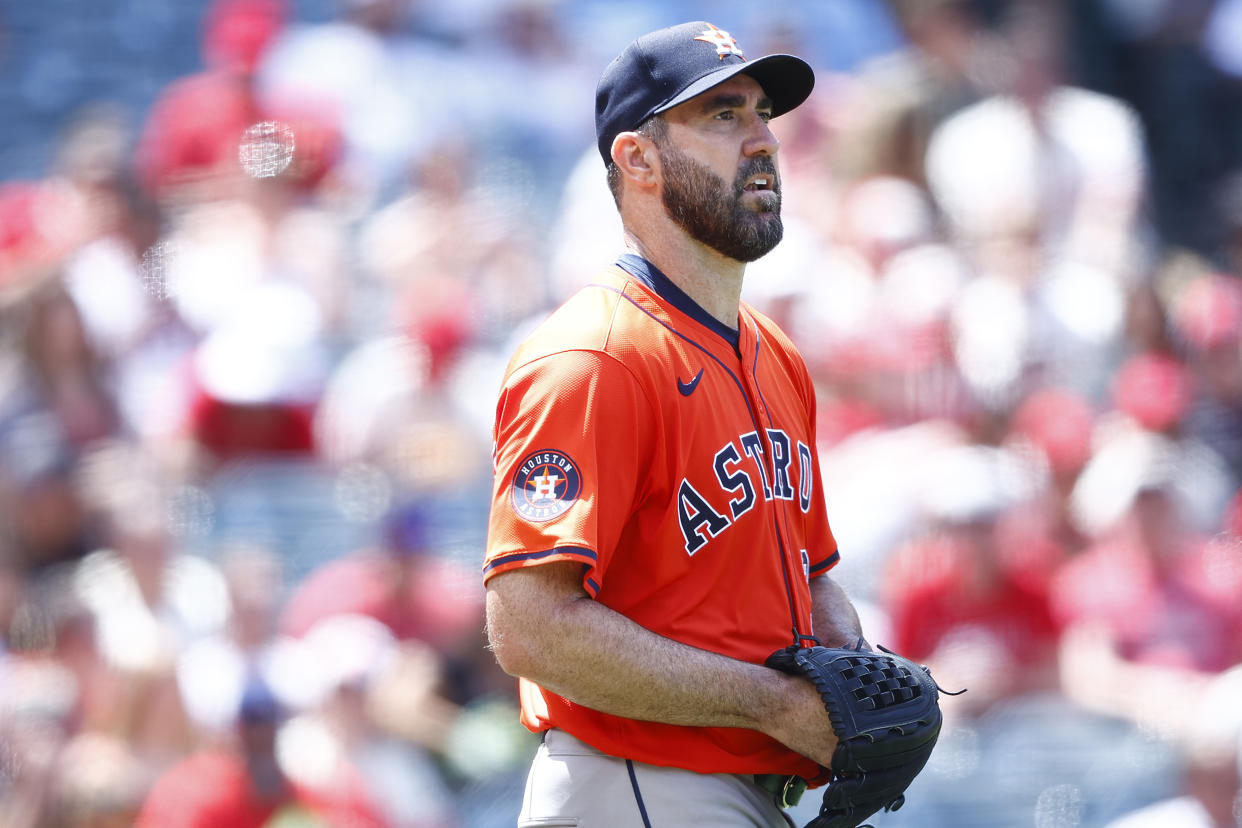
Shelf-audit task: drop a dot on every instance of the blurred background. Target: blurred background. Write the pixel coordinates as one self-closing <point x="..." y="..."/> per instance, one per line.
<point x="262" y="263"/>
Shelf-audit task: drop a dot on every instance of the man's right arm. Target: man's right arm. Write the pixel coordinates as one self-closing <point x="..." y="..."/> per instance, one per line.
<point x="543" y="626"/>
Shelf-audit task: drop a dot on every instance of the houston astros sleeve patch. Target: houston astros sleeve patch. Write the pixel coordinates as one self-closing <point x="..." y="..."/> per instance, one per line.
<point x="545" y="485"/>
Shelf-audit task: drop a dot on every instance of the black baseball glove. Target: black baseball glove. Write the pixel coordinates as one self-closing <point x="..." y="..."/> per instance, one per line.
<point x="885" y="711"/>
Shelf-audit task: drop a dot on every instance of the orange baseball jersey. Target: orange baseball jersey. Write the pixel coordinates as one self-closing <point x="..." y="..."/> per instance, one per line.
<point x="674" y="458"/>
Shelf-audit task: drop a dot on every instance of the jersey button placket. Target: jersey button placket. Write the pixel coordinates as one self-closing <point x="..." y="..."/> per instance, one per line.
<point x="800" y="615"/>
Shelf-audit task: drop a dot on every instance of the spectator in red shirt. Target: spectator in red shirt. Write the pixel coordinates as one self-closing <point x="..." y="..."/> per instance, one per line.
<point x="955" y="598"/>
<point x="1158" y="590"/>
<point x="241" y="784"/>
<point x="192" y="134"/>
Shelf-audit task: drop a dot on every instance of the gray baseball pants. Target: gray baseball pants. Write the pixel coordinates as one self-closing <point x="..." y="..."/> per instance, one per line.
<point x="573" y="785"/>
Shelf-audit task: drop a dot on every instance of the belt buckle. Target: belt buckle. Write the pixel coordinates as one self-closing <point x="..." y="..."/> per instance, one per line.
<point x="791" y="792"/>
<point x="785" y="790"/>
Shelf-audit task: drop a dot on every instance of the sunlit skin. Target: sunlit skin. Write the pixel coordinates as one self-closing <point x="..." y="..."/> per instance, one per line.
<point x="723" y="130"/>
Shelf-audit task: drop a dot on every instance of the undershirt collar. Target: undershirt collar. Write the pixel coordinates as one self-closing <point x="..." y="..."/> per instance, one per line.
<point x="654" y="278"/>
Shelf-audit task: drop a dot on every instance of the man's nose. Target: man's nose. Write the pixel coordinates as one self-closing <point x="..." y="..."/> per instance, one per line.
<point x="761" y="140"/>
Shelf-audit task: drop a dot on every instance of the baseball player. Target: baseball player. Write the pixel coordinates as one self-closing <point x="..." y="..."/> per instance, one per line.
<point x="657" y="528"/>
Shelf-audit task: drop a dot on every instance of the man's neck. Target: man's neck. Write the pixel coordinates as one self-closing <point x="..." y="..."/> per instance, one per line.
<point x="713" y="281"/>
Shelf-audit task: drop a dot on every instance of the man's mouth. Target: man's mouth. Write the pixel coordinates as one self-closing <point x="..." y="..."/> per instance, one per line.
<point x="760" y="183"/>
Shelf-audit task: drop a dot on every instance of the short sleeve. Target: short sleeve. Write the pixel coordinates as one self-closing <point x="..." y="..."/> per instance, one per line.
<point x="573" y="440"/>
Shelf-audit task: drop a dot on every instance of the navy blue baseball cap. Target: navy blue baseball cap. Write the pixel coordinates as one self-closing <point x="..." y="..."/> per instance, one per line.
<point x="670" y="66"/>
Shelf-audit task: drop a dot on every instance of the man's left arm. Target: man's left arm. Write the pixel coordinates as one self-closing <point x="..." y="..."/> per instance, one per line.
<point x="833" y="617"/>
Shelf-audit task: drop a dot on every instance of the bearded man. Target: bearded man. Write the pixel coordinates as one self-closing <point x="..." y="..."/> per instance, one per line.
<point x="657" y="527"/>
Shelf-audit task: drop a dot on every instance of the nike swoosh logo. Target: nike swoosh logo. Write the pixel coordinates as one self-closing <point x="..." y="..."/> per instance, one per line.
<point x="687" y="388"/>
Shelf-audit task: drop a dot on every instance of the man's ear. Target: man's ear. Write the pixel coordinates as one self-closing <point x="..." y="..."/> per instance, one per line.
<point x="637" y="158"/>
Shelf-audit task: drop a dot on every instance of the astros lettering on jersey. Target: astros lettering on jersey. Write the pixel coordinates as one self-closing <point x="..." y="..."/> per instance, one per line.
<point x="674" y="458"/>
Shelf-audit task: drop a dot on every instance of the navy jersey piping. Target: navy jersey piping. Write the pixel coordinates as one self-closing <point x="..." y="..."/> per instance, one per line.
<point x="754" y="418"/>
<point x="577" y="551"/>
<point x="759" y="388"/>
<point x="826" y="564"/>
<point x="651" y="276"/>
<point x="779" y="516"/>
<point x="736" y="381"/>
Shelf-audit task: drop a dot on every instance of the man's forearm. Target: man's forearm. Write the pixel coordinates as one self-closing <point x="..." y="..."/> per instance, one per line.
<point x="833" y="615"/>
<point x="544" y="627"/>
<point x="594" y="656"/>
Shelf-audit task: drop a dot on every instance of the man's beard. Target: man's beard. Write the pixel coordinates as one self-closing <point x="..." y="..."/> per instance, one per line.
<point x="710" y="212"/>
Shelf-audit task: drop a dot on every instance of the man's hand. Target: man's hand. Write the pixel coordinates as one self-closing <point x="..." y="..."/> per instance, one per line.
<point x="801" y="722"/>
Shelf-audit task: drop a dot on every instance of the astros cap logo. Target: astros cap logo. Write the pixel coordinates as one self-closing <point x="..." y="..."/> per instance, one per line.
<point x="723" y="41"/>
<point x="545" y="485"/>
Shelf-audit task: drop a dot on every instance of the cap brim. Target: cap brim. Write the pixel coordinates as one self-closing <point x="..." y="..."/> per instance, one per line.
<point x="786" y="79"/>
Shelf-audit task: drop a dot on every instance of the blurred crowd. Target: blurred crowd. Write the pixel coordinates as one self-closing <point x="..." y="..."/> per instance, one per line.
<point x="250" y="340"/>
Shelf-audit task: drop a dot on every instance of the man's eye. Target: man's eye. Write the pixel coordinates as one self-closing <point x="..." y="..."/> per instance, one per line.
<point x="727" y="115"/>
<point x="765" y="116"/>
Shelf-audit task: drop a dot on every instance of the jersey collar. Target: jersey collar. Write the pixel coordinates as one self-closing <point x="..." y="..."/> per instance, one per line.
<point x="651" y="276"/>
